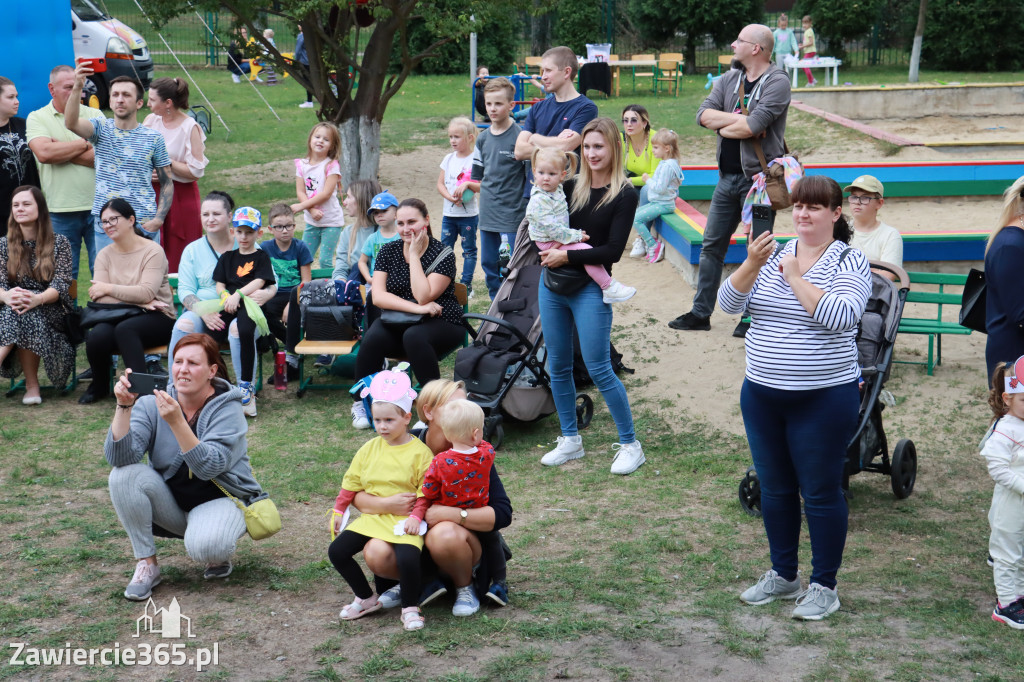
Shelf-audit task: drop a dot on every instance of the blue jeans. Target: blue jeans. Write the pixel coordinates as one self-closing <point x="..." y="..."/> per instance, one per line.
<point x="326" y="238"/>
<point x="189" y="322"/>
<point x="489" y="244"/>
<point x="593" y="318"/>
<point x="798" y="440"/>
<point x="465" y="226"/>
<point x="101" y="240"/>
<point x="77" y="226"/>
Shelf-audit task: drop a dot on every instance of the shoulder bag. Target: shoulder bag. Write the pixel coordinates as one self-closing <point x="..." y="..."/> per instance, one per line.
<point x="108" y="313"/>
<point x="774" y="176"/>
<point x="972" y="309"/>
<point x="566" y="280"/>
<point x="401" y="318"/>
<point x="261" y="517"/>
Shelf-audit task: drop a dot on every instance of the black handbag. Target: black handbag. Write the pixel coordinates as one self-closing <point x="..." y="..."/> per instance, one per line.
<point x="972" y="308"/>
<point x="329" y="323"/>
<point x="73" y="326"/>
<point x="566" y="280"/>
<point x="401" y="318"/>
<point x="109" y="313"/>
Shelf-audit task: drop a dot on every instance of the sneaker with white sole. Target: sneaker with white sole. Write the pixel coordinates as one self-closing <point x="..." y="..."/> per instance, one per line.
<point x="567" y="449"/>
<point x="389" y="599"/>
<point x="657" y="252"/>
<point x="816" y="603"/>
<point x="617" y="292"/>
<point x="639" y="248"/>
<point x="771" y="586"/>
<point x="306" y="105"/>
<point x="628" y="458"/>
<point x="359" y="420"/>
<point x="1012" y="614"/>
<point x="248" y="398"/>
<point x="216" y="571"/>
<point x="147" y="576"/>
<point x="466" y="602"/>
<point x="235" y="78"/>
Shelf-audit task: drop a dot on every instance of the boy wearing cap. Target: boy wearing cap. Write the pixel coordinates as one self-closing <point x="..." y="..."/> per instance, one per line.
<point x="383" y="210"/>
<point x="874" y="238"/>
<point x="239" y="273"/>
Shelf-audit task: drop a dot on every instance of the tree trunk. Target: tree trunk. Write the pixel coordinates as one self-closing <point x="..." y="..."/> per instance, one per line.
<point x="691" y="56"/>
<point x="915" y="54"/>
<point x="360" y="149"/>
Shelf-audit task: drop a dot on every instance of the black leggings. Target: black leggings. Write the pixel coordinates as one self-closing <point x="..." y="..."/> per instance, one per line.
<point x="349" y="543"/>
<point x="128" y="338"/>
<point x="246" y="334"/>
<point x="421" y="343"/>
<point x="273" y="310"/>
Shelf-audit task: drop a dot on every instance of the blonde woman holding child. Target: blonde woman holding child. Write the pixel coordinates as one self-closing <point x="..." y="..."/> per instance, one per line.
<point x="662" y="190"/>
<point x="316" y="188"/>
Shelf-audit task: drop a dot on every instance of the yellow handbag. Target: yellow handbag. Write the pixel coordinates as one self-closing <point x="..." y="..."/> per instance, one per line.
<point x="261" y="517"/>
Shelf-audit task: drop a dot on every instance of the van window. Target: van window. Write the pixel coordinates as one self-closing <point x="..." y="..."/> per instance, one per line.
<point x="87" y="11"/>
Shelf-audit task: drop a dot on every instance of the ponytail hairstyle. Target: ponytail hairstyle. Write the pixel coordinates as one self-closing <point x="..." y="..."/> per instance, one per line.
<point x="567" y="161"/>
<point x="363" y="192"/>
<point x="122" y="207"/>
<point x="19" y="266"/>
<point x="998" y="387"/>
<point x="174" y="89"/>
<point x="821" y="190"/>
<point x="224" y="198"/>
<point x="421" y="207"/>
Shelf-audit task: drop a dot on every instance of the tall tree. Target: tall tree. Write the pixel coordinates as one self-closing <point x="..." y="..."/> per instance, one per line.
<point x="348" y="74"/>
<point x="837" y="21"/>
<point x="915" y="53"/>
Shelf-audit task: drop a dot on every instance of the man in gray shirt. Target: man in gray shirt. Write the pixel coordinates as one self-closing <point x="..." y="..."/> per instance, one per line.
<point x="766" y="95"/>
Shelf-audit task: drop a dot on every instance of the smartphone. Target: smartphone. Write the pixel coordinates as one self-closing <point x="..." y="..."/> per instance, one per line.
<point x="97" y="64"/>
<point x="145" y="384"/>
<point x="762" y="221"/>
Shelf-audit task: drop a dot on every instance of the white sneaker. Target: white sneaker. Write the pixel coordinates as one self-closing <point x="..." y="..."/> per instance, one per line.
<point x="568" y="448"/>
<point x="306" y="105"/>
<point x="235" y="78"/>
<point x="628" y="458"/>
<point x="639" y="248"/>
<point x="617" y="292"/>
<point x="248" y="399"/>
<point x="359" y="420"/>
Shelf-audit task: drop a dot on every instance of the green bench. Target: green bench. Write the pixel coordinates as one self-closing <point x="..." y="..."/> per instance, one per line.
<point x="934" y="326"/>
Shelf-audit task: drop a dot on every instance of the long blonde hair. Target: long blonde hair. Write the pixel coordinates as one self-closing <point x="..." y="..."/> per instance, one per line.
<point x="1013" y="207"/>
<point x="581" y="192"/>
<point x="19" y="266"/>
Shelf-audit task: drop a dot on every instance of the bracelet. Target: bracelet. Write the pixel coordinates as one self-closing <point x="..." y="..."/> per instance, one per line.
<point x="125" y="407"/>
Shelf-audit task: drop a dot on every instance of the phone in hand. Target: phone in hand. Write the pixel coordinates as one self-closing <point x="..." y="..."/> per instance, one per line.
<point x="762" y="221"/>
<point x="97" y="64"/>
<point x="146" y="384"/>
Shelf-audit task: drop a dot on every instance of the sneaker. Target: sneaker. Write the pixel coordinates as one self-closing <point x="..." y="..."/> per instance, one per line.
<point x="235" y="78"/>
<point x="248" y="398"/>
<point x="690" y="322"/>
<point x="628" y="458"/>
<point x="740" y="331"/>
<point x="389" y="599"/>
<point x="85" y="376"/>
<point x="1012" y="614"/>
<point x="639" y="248"/>
<point x="817" y="602"/>
<point x="466" y="603"/>
<point x="147" y="576"/>
<point x="567" y="449"/>
<point x="656" y="253"/>
<point x="215" y="571"/>
<point x="498" y="593"/>
<point x="324" y="361"/>
<point x="359" y="420"/>
<point x="770" y="587"/>
<point x="617" y="292"/>
<point x="469" y="292"/>
<point x="306" y="105"/>
<point x="432" y="591"/>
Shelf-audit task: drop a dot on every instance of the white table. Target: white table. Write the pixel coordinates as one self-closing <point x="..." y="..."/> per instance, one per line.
<point x="794" y="64"/>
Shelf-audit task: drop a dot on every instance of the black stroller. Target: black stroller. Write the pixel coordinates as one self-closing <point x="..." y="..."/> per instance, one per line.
<point x="503" y="368"/>
<point x="868" y="449"/>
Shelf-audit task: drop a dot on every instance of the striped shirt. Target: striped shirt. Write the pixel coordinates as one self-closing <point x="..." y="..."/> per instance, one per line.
<point x="789" y="349"/>
<point x="125" y="161"/>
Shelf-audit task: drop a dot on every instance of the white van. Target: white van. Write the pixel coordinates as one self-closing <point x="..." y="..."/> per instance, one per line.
<point x="97" y="35"/>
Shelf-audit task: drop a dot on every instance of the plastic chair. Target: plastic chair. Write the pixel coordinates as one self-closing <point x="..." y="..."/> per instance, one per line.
<point x="667" y="72"/>
<point x="532" y="66"/>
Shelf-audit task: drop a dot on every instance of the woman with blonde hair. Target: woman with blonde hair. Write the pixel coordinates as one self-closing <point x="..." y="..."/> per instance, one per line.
<point x="602" y="202"/>
<point x="1004" y="303"/>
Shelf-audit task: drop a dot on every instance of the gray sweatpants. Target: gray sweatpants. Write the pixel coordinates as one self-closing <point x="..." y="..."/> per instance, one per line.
<point x="141" y="498"/>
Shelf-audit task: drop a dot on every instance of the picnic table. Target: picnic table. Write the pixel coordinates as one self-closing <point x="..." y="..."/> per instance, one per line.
<point x="618" y="64"/>
<point x="793" y="64"/>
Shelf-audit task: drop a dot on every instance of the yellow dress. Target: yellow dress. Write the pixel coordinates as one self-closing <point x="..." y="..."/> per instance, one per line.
<point x="384" y="470"/>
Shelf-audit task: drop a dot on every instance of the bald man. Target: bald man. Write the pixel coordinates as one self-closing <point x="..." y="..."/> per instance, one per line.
<point x="766" y="98"/>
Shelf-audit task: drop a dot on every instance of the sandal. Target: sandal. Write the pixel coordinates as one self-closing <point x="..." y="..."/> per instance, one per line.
<point x="412" y="619"/>
<point x="359" y="608"/>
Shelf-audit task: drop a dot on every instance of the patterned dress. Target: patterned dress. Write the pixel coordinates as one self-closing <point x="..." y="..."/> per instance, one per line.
<point x="40" y="330"/>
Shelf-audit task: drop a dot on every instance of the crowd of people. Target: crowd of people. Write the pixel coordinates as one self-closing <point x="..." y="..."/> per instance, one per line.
<point x="580" y="185"/>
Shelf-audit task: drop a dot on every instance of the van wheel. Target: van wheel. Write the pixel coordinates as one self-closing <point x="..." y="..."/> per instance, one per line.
<point x="102" y="94"/>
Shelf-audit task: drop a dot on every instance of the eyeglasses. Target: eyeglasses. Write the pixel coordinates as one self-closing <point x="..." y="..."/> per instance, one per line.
<point x="748" y="42"/>
<point x="860" y="199"/>
<point x="629" y="121"/>
<point x="288" y="226"/>
<point x="110" y="222"/>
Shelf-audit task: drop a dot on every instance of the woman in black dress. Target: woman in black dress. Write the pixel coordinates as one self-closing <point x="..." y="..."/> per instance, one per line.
<point x="17" y="165"/>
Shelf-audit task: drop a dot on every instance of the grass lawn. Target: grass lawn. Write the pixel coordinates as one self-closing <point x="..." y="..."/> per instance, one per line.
<point x="613" y="578"/>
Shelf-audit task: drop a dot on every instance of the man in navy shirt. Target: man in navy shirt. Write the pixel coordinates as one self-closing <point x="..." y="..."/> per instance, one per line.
<point x="556" y="121"/>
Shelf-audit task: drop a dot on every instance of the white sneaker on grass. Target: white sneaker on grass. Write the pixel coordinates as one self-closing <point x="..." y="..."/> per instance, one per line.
<point x="147" y="576"/>
<point x="770" y="587"/>
<point x="359" y="420"/>
<point x="466" y="602"/>
<point x="617" y="292"/>
<point x="628" y="458"/>
<point x="568" y="449"/>
<point x="816" y="603"/>
<point x="306" y="105"/>
<point x="248" y="398"/>
<point x="389" y="599"/>
<point x="639" y="248"/>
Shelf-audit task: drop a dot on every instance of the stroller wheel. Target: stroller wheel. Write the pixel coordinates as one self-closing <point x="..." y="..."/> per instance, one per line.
<point x="584" y="410"/>
<point x="497" y="437"/>
<point x="493" y="431"/>
<point x="903" y="470"/>
<point x="750" y="493"/>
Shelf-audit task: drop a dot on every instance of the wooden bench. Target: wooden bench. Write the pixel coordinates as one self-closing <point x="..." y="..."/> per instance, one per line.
<point x="726" y="61"/>
<point x="934" y="326"/>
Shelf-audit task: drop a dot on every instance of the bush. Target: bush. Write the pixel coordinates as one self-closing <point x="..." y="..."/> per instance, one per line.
<point x="576" y="23"/>
<point x="495" y="46"/>
<point x="972" y="35"/>
<point x="836" y="21"/>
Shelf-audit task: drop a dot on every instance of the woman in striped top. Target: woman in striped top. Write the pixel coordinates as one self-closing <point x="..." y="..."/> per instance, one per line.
<point x="800" y="397"/>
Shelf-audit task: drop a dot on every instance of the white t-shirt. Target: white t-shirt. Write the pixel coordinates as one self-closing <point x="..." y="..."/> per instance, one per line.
<point x="454" y="167"/>
<point x="314" y="177"/>
<point x="883" y="243"/>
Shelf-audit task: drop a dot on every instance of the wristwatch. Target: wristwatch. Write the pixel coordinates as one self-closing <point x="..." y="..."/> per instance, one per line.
<point x="463" y="515"/>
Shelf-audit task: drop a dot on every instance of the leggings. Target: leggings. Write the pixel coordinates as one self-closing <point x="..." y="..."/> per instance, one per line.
<point x="421" y="343"/>
<point x="128" y="338"/>
<point x="246" y="336"/>
<point x="342" y="554"/>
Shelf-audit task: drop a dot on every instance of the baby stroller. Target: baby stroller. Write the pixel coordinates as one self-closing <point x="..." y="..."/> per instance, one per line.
<point x="868" y="449"/>
<point x="503" y="368"/>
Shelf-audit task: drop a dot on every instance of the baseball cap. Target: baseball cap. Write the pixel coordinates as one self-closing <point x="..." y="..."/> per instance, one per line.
<point x="247" y="216"/>
<point x="867" y="183"/>
<point x="381" y="202"/>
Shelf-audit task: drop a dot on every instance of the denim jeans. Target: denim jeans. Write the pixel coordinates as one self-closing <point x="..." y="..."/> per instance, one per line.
<point x="490" y="242"/>
<point x="326" y="238"/>
<point x="593" y="319"/>
<point x="77" y="226"/>
<point x="464" y="226"/>
<point x="798" y="440"/>
<point x="101" y="240"/>
<point x="189" y="322"/>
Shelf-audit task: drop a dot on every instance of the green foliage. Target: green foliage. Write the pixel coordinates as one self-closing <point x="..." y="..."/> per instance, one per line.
<point x="576" y="23"/>
<point x="972" y="34"/>
<point x="836" y="21"/>
<point x="496" y="41"/>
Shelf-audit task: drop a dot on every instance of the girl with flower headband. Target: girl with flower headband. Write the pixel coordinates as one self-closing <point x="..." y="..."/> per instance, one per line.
<point x="392" y="463"/>
<point x="662" y="190"/>
<point x="1003" y="449"/>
